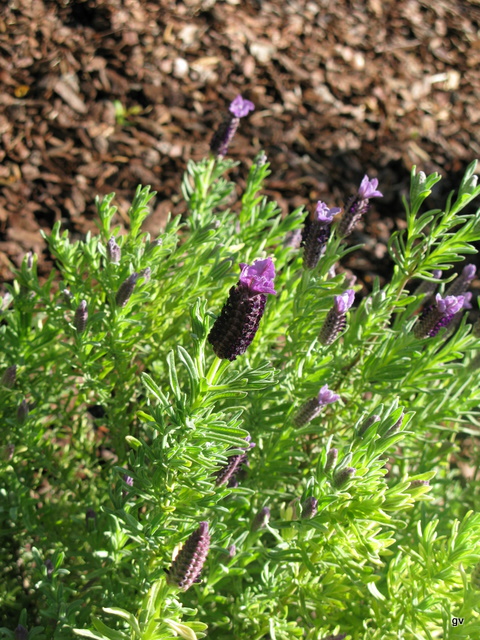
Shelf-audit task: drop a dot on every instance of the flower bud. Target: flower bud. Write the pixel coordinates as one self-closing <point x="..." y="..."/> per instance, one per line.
<point x="9" y="376"/>
<point x="227" y="474"/>
<point x="189" y="561"/>
<point x="357" y="206"/>
<point x="438" y="315"/>
<point x="462" y="282"/>
<point x="316" y="233"/>
<point x="395" y="427"/>
<point x="223" y="136"/>
<point x="49" y="566"/>
<point x="336" y="320"/>
<point x="312" y="408"/>
<point x="113" y="251"/>
<point x="261" y="519"/>
<point x="126" y="289"/>
<point x="90" y="519"/>
<point x="309" y="508"/>
<point x="427" y="288"/>
<point x="81" y="317"/>
<point x="332" y="456"/>
<point x="367" y="424"/>
<point x="20" y="633"/>
<point x="22" y="411"/>
<point x="418" y="483"/>
<point x="342" y="476"/>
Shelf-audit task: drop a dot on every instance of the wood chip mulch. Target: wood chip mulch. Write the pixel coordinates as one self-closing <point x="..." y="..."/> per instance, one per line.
<point x="101" y="95"/>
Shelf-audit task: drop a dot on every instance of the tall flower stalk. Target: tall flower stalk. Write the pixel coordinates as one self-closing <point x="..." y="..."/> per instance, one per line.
<point x="221" y="139"/>
<point x="238" y="322"/>
<point x="315" y="234"/>
<point x="358" y="205"/>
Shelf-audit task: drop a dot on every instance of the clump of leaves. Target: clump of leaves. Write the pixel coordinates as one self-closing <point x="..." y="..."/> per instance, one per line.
<point x="119" y="419"/>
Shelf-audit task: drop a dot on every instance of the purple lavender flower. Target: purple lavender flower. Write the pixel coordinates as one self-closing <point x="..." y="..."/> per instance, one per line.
<point x="238" y="322"/>
<point x="358" y="205"/>
<point x="30" y="259"/>
<point x="238" y="108"/>
<point x="462" y="282"/>
<point x="113" y="251"/>
<point x="81" y="317"/>
<point x="9" y="376"/>
<point x="190" y="559"/>
<point x="438" y="315"/>
<point x="128" y="480"/>
<point x="261" y="519"/>
<point x="315" y="234"/>
<point x="309" y="508"/>
<point x="312" y="408"/>
<point x="227" y="474"/>
<point x="336" y="320"/>
<point x="342" y="476"/>
<point x="126" y="289"/>
<point x="332" y="456"/>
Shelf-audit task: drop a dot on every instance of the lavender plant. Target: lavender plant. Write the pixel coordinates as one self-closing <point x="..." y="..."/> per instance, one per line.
<point x="136" y="378"/>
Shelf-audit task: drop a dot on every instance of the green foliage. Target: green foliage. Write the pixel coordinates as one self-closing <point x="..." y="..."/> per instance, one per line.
<point x="139" y="395"/>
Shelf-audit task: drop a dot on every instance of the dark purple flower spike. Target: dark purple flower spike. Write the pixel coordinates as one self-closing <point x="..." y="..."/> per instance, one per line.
<point x="342" y="476"/>
<point x="81" y="317"/>
<point x="126" y="289"/>
<point x="336" y="319"/>
<point x="227" y="474"/>
<point x="189" y="561"/>
<point x="309" y="508"/>
<point x="238" y="322"/>
<point x="315" y="234"/>
<point x="438" y="315"/>
<point x="358" y="205"/>
<point x="312" y="408"/>
<point x="239" y="108"/>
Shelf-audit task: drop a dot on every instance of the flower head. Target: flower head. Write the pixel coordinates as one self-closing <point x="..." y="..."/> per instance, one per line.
<point x="189" y="561"/>
<point x="238" y="322"/>
<point x="450" y="304"/>
<point x="259" y="276"/>
<point x="344" y="301"/>
<point x="240" y="107"/>
<point x="309" y="508"/>
<point x="81" y="317"/>
<point x="368" y="188"/>
<point x="324" y="214"/>
<point x="327" y="396"/>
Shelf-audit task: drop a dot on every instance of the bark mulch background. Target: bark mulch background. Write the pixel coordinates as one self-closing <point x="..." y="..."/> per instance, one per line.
<point x="101" y="95"/>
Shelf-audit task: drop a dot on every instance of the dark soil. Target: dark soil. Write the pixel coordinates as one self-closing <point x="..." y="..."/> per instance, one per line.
<point x="101" y="95"/>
